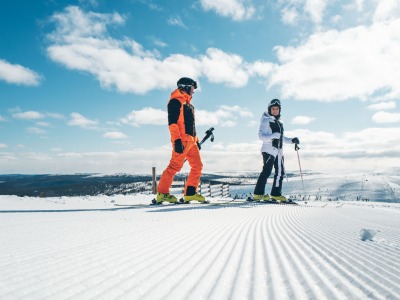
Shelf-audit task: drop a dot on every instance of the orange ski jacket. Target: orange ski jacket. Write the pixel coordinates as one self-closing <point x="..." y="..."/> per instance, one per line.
<point x="181" y="120"/>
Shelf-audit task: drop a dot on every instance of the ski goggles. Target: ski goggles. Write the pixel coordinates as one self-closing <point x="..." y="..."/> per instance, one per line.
<point x="186" y="86"/>
<point x="275" y="102"/>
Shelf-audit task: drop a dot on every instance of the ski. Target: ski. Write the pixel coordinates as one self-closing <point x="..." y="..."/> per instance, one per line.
<point x="182" y="203"/>
<point x="234" y="201"/>
<point x="273" y="201"/>
<point x="132" y="205"/>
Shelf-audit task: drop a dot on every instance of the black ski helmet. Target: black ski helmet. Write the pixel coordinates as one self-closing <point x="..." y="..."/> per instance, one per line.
<point x="185" y="83"/>
<point x="275" y="102"/>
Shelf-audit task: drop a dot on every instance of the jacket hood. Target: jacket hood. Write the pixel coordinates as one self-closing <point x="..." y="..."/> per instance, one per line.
<point x="181" y="96"/>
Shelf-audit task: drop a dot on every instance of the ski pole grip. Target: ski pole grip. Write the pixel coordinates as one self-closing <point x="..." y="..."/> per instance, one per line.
<point x="296" y="147"/>
<point x="209" y="133"/>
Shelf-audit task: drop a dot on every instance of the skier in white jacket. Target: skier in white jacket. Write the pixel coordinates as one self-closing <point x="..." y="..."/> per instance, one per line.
<point x="271" y="134"/>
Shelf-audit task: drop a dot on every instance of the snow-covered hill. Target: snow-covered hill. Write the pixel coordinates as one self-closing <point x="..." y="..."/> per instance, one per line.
<point x="87" y="248"/>
<point x="376" y="187"/>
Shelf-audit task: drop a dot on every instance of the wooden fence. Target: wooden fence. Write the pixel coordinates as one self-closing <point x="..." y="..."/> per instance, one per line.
<point x="214" y="189"/>
<point x="207" y="189"/>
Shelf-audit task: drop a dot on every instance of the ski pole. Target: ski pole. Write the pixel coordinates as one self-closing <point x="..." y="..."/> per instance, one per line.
<point x="297" y="148"/>
<point x="282" y="163"/>
<point x="209" y="133"/>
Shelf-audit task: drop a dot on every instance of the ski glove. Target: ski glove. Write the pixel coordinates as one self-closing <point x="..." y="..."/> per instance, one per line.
<point x="199" y="145"/>
<point x="295" y="140"/>
<point x="178" y="147"/>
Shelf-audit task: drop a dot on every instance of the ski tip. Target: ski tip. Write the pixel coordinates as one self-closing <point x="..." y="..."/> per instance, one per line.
<point x="154" y="202"/>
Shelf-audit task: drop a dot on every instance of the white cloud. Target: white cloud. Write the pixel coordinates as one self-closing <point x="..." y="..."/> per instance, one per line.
<point x="2" y="146"/>
<point x="176" y="21"/>
<point x="17" y="74"/>
<point x="328" y="66"/>
<point x="370" y="150"/>
<point x="387" y="10"/>
<point x="221" y="67"/>
<point x="35" y="157"/>
<point x="382" y="106"/>
<point x="315" y="9"/>
<point x="55" y="116"/>
<point x="146" y="116"/>
<point x="75" y="23"/>
<point x="359" y="4"/>
<point x="303" y="10"/>
<point x="2" y="119"/>
<point x="260" y="68"/>
<point x="289" y="16"/>
<point x="79" y="120"/>
<point x="386" y="117"/>
<point x="35" y="130"/>
<point x="7" y="159"/>
<point x="28" y="115"/>
<point x="371" y="141"/>
<point x="42" y="124"/>
<point x="361" y="62"/>
<point x="153" y="6"/>
<point x="302" y="120"/>
<point x="225" y="116"/>
<point x="90" y="2"/>
<point x="237" y="10"/>
<point x="363" y="150"/>
<point x="115" y="135"/>
<point x="81" y="42"/>
<point x="158" y="42"/>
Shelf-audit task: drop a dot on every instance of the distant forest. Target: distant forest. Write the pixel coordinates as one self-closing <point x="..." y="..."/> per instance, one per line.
<point x="47" y="185"/>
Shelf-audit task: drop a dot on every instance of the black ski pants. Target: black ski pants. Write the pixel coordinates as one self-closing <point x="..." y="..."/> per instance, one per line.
<point x="269" y="162"/>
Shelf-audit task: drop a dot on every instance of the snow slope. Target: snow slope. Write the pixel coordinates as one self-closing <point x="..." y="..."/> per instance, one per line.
<point x="87" y="248"/>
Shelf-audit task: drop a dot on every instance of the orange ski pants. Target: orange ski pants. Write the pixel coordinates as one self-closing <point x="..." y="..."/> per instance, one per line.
<point x="192" y="154"/>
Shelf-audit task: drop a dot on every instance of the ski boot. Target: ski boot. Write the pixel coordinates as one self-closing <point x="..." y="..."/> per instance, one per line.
<point x="165" y="198"/>
<point x="260" y="198"/>
<point x="196" y="197"/>
<point x="279" y="198"/>
<point x="257" y="198"/>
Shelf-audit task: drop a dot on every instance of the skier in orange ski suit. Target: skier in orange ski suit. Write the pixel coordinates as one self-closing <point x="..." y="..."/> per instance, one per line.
<point x="185" y="144"/>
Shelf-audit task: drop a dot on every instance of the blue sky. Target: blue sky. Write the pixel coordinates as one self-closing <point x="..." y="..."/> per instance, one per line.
<point x="84" y="84"/>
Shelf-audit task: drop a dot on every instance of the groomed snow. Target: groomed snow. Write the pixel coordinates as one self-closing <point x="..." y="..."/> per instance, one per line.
<point x="87" y="248"/>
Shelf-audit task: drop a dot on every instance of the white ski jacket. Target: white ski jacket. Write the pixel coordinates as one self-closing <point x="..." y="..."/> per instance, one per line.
<point x="271" y="134"/>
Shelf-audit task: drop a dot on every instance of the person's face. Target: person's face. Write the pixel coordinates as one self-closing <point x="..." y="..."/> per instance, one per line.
<point x="191" y="90"/>
<point x="275" y="110"/>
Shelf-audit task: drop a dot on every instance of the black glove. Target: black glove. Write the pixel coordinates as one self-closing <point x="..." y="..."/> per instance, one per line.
<point x="178" y="147"/>
<point x="295" y="140"/>
<point x="199" y="145"/>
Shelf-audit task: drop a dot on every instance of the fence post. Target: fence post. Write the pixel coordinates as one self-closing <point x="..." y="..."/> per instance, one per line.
<point x="154" y="186"/>
<point x="199" y="187"/>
